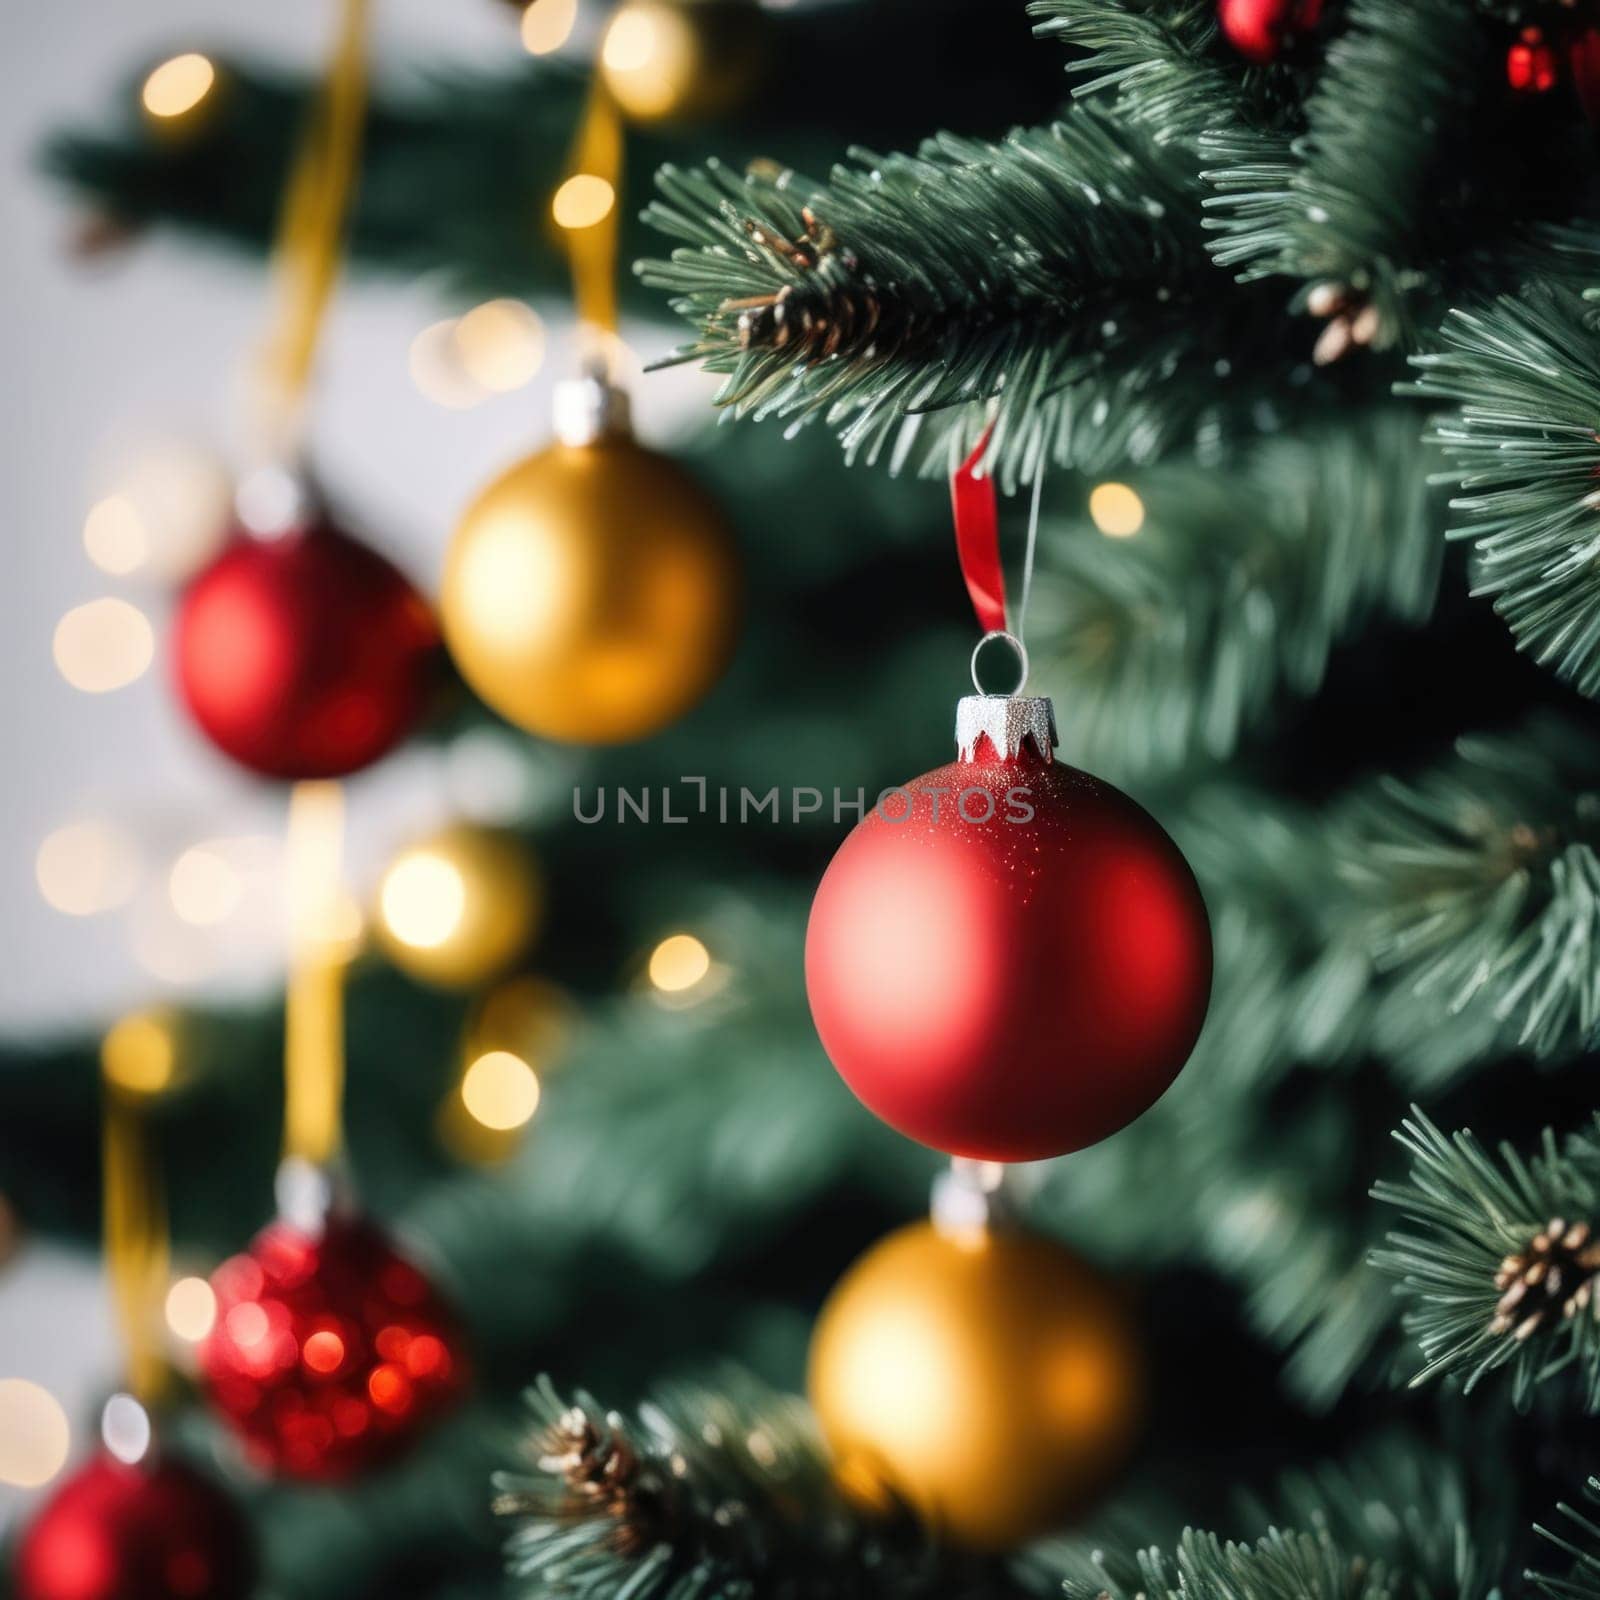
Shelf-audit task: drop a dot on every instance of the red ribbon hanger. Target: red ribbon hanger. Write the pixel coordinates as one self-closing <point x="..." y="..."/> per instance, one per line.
<point x="977" y="517"/>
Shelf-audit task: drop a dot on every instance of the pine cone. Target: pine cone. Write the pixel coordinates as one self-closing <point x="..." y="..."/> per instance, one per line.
<point x="600" y="1468"/>
<point x="830" y="311"/>
<point x="1554" y="1275"/>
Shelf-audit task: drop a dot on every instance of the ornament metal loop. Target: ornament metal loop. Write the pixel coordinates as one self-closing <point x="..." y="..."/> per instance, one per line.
<point x="1022" y="659"/>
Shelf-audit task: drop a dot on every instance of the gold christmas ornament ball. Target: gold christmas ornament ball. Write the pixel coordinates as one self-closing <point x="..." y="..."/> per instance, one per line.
<point x="591" y="592"/>
<point x="682" y="60"/>
<point x="989" y="1380"/>
<point x="456" y="909"/>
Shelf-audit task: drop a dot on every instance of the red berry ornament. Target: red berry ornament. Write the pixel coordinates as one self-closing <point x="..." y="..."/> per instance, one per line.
<point x="1531" y="63"/>
<point x="1008" y="959"/>
<point x="154" y="1531"/>
<point x="330" y="1351"/>
<point x="1260" y="29"/>
<point x="304" y="654"/>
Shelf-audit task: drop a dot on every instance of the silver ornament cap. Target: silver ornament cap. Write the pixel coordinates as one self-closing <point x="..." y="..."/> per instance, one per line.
<point x="589" y="408"/>
<point x="1007" y="721"/>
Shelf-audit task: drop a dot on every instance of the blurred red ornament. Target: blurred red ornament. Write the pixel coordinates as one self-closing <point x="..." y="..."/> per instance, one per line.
<point x="330" y="1351"/>
<point x="1583" y="61"/>
<point x="304" y="654"/>
<point x="1008" y="959"/>
<point x="1260" y="29"/>
<point x="1532" y="66"/>
<point x="154" y="1531"/>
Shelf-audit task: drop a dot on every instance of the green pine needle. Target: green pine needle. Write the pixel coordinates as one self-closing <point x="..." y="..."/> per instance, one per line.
<point x="1477" y="886"/>
<point x="1468" y="1213"/>
<point x="1059" y="277"/>
<point x="1579" y="1540"/>
<point x="1523" y="375"/>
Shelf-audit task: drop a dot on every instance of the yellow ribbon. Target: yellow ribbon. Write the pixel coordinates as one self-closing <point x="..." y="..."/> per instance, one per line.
<point x="597" y="152"/>
<point x="135" y="1236"/>
<point x="313" y="1055"/>
<point x="311" y="227"/>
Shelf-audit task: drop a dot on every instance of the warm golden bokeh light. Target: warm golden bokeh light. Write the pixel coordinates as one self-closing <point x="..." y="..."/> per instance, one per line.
<point x="500" y="345"/>
<point x="679" y="962"/>
<point x="422" y="899"/>
<point x="140" y="1053"/>
<point x="178" y="86"/>
<point x="103" y="645"/>
<point x="547" y="25"/>
<point x="85" y="868"/>
<point x="652" y="54"/>
<point x="435" y="367"/>
<point x="632" y="41"/>
<point x="34" y="1437"/>
<point x="500" y="1090"/>
<point x="582" y="201"/>
<point x="1116" y="510"/>
<point x="115" y="537"/>
<point x="191" y="1309"/>
<point x="204" y="887"/>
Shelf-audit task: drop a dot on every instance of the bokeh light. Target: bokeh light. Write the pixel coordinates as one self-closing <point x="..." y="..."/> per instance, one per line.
<point x="500" y="345"/>
<point x="204" y="886"/>
<point x="191" y="1309"/>
<point x="125" y="1429"/>
<point x="1116" y="510"/>
<point x="104" y="644"/>
<point x="163" y="510"/>
<point x="678" y="963"/>
<point x="434" y="363"/>
<point x="500" y="1090"/>
<point x="422" y="899"/>
<point x="547" y="25"/>
<point x="34" y="1437"/>
<point x="139" y="1054"/>
<point x="178" y="86"/>
<point x="115" y="537"/>
<point x="582" y="201"/>
<point x="86" y="868"/>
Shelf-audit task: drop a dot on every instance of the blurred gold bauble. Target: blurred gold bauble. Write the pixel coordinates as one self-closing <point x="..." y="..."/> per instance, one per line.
<point x="590" y="594"/>
<point x="456" y="909"/>
<point x="682" y="60"/>
<point x="988" y="1380"/>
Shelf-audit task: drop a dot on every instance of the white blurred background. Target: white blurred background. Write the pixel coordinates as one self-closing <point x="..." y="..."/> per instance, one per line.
<point x="124" y="377"/>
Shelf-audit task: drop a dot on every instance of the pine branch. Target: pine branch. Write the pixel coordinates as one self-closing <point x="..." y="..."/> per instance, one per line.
<point x="1578" y="1537"/>
<point x="1173" y="646"/>
<point x="459" y="166"/>
<point x="1500" y="1269"/>
<point x="1162" y="65"/>
<point x="1060" y="275"/>
<point x="1407" y="1505"/>
<point x="1279" y="1566"/>
<point x="1478" y="886"/>
<point x="1523" y="378"/>
<point x="1351" y="206"/>
<point x="709" y="1494"/>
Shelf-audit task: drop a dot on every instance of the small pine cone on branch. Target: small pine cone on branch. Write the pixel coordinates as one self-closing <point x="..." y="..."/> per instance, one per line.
<point x="1553" y="1276"/>
<point x="829" y="311"/>
<point x="599" y="1470"/>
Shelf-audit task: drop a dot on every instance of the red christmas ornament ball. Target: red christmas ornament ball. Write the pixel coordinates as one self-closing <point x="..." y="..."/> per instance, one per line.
<point x="1531" y="64"/>
<point x="1008" y="959"/>
<point x="304" y="655"/>
<point x="1260" y="29"/>
<point x="154" y="1531"/>
<point x="331" y="1351"/>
